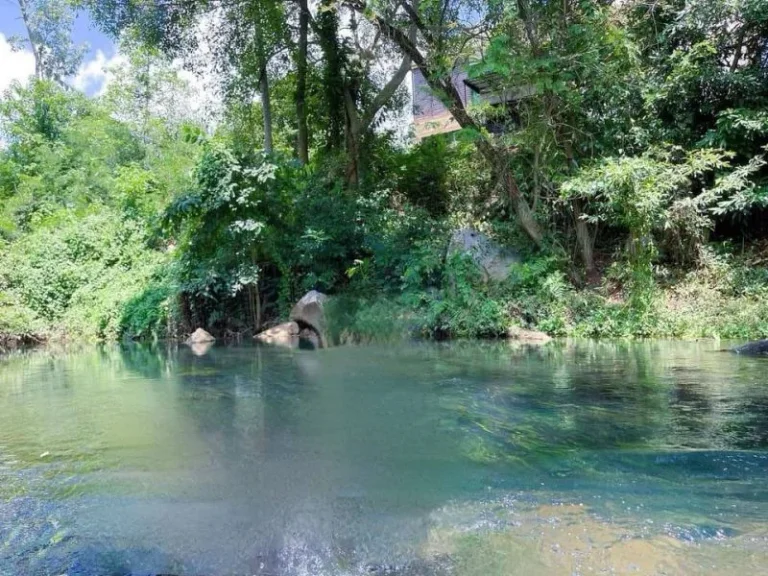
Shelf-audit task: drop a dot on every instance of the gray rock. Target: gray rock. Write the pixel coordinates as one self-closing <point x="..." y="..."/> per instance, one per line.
<point x="492" y="259"/>
<point x="757" y="348"/>
<point x="309" y="313"/>
<point x="285" y="334"/>
<point x="200" y="336"/>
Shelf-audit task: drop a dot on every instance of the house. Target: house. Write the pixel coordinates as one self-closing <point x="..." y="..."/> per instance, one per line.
<point x="430" y="115"/>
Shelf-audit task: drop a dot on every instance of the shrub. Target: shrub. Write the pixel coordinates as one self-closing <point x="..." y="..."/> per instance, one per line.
<point x="77" y="273"/>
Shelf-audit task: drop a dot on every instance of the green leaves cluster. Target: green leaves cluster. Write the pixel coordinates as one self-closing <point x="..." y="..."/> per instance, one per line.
<point x="81" y="191"/>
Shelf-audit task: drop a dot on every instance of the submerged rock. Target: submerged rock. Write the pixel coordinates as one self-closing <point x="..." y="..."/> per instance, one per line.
<point x="490" y="257"/>
<point x="309" y="313"/>
<point x="201" y="348"/>
<point x="285" y="334"/>
<point x="757" y="348"/>
<point x="530" y="336"/>
<point x="200" y="336"/>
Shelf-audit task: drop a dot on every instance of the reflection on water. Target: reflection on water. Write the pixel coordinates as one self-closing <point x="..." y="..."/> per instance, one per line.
<point x="467" y="458"/>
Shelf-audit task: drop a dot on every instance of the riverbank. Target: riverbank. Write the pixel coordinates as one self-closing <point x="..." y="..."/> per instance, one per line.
<point x="51" y="289"/>
<point x="724" y="297"/>
<point x="719" y="301"/>
<point x="19" y="326"/>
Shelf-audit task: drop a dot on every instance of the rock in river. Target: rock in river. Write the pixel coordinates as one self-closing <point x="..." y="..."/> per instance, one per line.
<point x="757" y="348"/>
<point x="309" y="313"/>
<point x="200" y="336"/>
<point x="306" y="327"/>
<point x="285" y="334"/>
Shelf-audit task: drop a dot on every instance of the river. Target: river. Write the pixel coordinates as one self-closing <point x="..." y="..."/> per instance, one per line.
<point x="468" y="459"/>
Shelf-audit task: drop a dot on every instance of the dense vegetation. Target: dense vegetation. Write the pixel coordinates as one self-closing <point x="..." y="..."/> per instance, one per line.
<point x="629" y="171"/>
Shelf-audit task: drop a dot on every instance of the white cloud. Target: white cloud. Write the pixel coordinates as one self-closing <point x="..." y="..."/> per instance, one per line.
<point x="200" y="100"/>
<point x="94" y="76"/>
<point x="14" y="65"/>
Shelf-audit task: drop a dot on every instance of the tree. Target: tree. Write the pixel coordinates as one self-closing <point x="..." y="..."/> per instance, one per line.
<point x="249" y="37"/>
<point x="49" y="35"/>
<point x="302" y="139"/>
<point x="568" y="110"/>
<point x="446" y="31"/>
<point x="146" y="91"/>
<point x="361" y="112"/>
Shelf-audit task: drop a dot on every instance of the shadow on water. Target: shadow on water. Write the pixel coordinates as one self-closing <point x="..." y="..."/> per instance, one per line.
<point x="251" y="460"/>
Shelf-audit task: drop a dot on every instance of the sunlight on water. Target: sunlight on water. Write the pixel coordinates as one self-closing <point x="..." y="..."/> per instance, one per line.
<point x="422" y="459"/>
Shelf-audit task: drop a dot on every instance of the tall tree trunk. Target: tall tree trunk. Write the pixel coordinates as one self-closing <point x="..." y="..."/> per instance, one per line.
<point x="523" y="212"/>
<point x="143" y="80"/>
<point x="584" y="238"/>
<point x="358" y="123"/>
<point x="524" y="8"/>
<point x="583" y="234"/>
<point x="302" y="140"/>
<point x="266" y="105"/>
<point x="266" y="108"/>
<point x="326" y="27"/>
<point x="353" y="128"/>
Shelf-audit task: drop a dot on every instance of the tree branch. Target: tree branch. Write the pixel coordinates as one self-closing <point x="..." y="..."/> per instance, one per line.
<point x="414" y="17"/>
<point x="389" y="89"/>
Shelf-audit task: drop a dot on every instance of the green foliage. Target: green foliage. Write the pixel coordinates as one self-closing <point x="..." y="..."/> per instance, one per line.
<point x="16" y="320"/>
<point x="365" y="320"/>
<point x="270" y="225"/>
<point x="76" y="273"/>
<point x="80" y="194"/>
<point x="49" y="25"/>
<point x="463" y="308"/>
<point x="633" y="130"/>
<point x="64" y="152"/>
<point x="151" y="313"/>
<point x="424" y="176"/>
<point x="651" y="196"/>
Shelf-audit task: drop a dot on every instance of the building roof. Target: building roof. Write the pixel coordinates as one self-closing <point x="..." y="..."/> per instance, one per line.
<point x="493" y="84"/>
<point x="485" y="84"/>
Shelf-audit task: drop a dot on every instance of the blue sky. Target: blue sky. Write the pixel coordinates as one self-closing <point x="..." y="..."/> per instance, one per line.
<point x="18" y="66"/>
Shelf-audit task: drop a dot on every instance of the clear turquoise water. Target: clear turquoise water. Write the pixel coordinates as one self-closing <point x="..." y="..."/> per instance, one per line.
<point x="254" y="460"/>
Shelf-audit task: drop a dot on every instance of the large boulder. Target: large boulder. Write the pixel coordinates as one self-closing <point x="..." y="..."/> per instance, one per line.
<point x="757" y="348"/>
<point x="493" y="260"/>
<point x="285" y="334"/>
<point x="200" y="336"/>
<point x="309" y="313"/>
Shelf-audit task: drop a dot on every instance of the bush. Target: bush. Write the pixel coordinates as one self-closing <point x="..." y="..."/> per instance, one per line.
<point x="424" y="177"/>
<point x="152" y="313"/>
<point x="77" y="274"/>
<point x="17" y="321"/>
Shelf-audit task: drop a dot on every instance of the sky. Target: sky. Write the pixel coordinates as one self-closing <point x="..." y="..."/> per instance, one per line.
<point x="20" y="65"/>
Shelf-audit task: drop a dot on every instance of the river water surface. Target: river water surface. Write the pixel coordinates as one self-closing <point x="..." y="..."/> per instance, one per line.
<point x="421" y="459"/>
